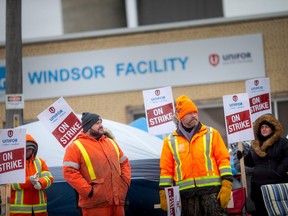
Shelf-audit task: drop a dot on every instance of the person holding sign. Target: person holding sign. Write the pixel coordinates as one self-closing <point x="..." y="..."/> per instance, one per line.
<point x="269" y="157"/>
<point x="29" y="198"/>
<point x="195" y="158"/>
<point x="96" y="167"/>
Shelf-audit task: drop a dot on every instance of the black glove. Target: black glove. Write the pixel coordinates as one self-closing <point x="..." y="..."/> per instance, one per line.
<point x="239" y="155"/>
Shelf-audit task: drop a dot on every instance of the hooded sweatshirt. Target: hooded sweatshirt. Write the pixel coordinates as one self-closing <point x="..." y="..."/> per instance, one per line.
<point x="25" y="199"/>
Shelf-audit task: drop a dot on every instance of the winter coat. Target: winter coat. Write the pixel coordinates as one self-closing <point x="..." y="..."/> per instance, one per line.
<point x="269" y="156"/>
<point x="98" y="164"/>
<point x="24" y="197"/>
<point x="198" y="166"/>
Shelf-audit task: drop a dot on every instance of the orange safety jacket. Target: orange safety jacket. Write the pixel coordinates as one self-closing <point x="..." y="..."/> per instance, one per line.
<point x="24" y="197"/>
<point x="100" y="164"/>
<point x="198" y="163"/>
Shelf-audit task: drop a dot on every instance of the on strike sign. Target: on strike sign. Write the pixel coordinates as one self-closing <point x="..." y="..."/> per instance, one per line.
<point x="258" y="91"/>
<point x="61" y="121"/>
<point x="159" y="109"/>
<point x="12" y="155"/>
<point x="237" y="118"/>
<point x="173" y="201"/>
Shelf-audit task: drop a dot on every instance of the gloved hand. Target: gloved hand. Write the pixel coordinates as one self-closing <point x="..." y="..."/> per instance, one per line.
<point x="225" y="193"/>
<point x="239" y="155"/>
<point x="163" y="200"/>
<point x="34" y="178"/>
<point x="37" y="185"/>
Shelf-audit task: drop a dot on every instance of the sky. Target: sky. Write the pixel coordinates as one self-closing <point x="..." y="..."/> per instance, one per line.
<point x="42" y="18"/>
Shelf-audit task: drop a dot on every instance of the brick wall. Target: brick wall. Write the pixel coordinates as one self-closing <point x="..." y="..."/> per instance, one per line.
<point x="114" y="106"/>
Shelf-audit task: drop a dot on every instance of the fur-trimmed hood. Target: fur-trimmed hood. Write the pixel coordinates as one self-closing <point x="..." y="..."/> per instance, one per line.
<point x="109" y="133"/>
<point x="276" y="134"/>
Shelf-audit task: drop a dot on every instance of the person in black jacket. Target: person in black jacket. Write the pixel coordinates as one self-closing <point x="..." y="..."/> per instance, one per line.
<point x="269" y="157"/>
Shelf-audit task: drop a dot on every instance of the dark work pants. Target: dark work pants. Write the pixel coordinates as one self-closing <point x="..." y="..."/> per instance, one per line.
<point x="206" y="205"/>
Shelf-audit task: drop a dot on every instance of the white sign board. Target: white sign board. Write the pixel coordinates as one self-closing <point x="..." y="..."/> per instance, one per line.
<point x="14" y="101"/>
<point x="159" y="110"/>
<point x="61" y="121"/>
<point x="181" y="63"/>
<point x="12" y="155"/>
<point x="259" y="96"/>
<point x="238" y="118"/>
<point x="173" y="201"/>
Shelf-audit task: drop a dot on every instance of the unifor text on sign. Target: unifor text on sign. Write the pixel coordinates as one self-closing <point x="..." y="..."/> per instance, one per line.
<point x="12" y="155"/>
<point x="61" y="121"/>
<point x="238" y="118"/>
<point x="159" y="109"/>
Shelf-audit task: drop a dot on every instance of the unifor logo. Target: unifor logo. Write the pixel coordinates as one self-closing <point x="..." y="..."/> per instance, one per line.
<point x="235" y="98"/>
<point x="10" y="133"/>
<point x="157" y="92"/>
<point x="2" y="78"/>
<point x="214" y="59"/>
<point x="256" y="82"/>
<point x="52" y="110"/>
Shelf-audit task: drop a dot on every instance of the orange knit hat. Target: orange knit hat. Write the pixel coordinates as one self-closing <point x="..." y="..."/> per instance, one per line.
<point x="184" y="106"/>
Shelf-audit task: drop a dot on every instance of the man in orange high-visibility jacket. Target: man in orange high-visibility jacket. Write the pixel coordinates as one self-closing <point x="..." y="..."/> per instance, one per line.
<point x="195" y="158"/>
<point x="29" y="198"/>
<point x="96" y="167"/>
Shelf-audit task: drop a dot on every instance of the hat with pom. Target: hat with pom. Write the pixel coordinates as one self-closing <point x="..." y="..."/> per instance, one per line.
<point x="184" y="106"/>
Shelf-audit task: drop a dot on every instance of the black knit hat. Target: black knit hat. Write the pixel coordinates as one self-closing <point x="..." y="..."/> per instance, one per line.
<point x="88" y="120"/>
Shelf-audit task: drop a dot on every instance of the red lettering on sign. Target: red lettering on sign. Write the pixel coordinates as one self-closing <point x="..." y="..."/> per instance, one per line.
<point x="11" y="160"/>
<point x="68" y="129"/>
<point x="259" y="103"/>
<point x="160" y="115"/>
<point x="238" y="122"/>
<point x="171" y="201"/>
<point x="14" y="98"/>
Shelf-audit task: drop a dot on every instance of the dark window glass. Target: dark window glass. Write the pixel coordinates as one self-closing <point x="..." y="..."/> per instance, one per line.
<point x="91" y="15"/>
<point x="283" y="116"/>
<point x="159" y="12"/>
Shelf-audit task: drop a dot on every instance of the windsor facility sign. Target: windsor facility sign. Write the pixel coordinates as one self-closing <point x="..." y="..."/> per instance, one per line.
<point x="142" y="67"/>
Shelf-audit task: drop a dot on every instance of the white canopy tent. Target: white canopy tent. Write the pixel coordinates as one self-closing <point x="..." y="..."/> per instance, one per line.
<point x="143" y="151"/>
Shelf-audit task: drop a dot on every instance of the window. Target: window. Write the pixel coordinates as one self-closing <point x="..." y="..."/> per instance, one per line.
<point x="158" y="12"/>
<point x="283" y="115"/>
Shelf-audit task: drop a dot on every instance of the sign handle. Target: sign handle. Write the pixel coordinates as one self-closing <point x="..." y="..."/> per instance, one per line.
<point x="8" y="195"/>
<point x="242" y="167"/>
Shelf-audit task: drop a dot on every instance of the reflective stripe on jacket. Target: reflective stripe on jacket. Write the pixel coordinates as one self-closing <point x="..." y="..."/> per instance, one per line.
<point x="200" y="163"/>
<point x="99" y="163"/>
<point x="24" y="197"/>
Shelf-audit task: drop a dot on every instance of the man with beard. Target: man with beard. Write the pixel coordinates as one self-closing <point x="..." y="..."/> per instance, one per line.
<point x="195" y="158"/>
<point x="96" y="167"/>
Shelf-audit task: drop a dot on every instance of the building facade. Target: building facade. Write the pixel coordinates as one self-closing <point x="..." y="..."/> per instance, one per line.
<point x="127" y="105"/>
